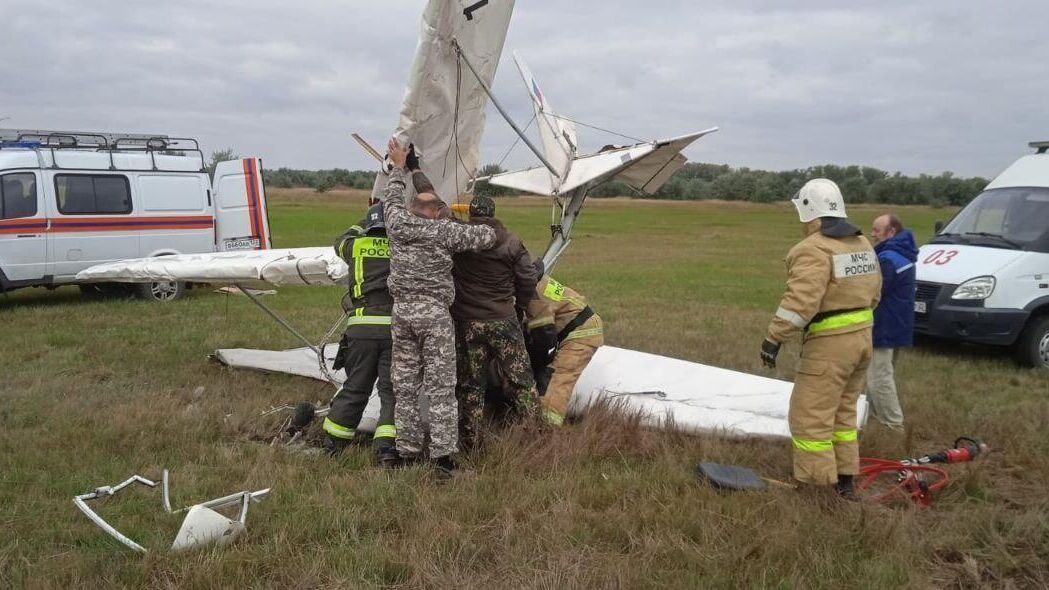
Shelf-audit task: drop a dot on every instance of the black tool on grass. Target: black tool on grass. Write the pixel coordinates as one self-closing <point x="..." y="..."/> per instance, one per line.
<point x="301" y="417"/>
<point x="730" y="477"/>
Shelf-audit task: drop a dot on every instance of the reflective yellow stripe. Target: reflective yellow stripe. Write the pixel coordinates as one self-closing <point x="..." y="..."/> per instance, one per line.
<point x="842" y="320"/>
<point x="844" y="436"/>
<point x="553" y="418"/>
<point x="540" y="322"/>
<point x="336" y="430"/>
<point x="358" y="275"/>
<point x="385" y="431"/>
<point x="812" y="446"/>
<point x="585" y="333"/>
<point x="368" y="320"/>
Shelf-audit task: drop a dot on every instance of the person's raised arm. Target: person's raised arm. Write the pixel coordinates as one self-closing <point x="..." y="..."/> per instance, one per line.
<point x="393" y="203"/>
<point x="460" y="237"/>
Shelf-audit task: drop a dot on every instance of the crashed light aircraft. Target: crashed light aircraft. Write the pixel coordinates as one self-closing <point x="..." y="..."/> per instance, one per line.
<point x="443" y="114"/>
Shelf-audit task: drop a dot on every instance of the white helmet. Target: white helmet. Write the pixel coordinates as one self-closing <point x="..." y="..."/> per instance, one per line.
<point x="819" y="198"/>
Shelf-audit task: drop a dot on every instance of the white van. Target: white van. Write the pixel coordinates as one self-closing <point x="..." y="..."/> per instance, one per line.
<point x="70" y="200"/>
<point x="985" y="276"/>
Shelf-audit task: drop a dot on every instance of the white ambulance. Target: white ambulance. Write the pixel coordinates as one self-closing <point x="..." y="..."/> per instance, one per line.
<point x="984" y="277"/>
<point x="70" y="200"/>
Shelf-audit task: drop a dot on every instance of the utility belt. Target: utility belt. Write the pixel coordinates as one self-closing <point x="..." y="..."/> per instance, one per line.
<point x="841" y="318"/>
<point x="578" y="320"/>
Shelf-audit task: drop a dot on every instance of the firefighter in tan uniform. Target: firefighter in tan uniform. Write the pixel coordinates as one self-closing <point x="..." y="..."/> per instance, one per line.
<point x="564" y="333"/>
<point x="833" y="285"/>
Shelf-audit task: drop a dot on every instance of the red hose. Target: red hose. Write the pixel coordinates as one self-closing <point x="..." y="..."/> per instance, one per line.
<point x="911" y="481"/>
<point x="916" y="478"/>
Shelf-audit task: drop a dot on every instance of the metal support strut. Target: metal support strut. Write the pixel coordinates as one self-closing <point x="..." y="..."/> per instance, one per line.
<point x="503" y="112"/>
<point x="280" y="320"/>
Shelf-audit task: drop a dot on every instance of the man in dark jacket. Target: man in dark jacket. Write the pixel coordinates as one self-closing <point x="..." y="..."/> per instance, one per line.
<point x="894" y="316"/>
<point x="492" y="289"/>
<point x="366" y="347"/>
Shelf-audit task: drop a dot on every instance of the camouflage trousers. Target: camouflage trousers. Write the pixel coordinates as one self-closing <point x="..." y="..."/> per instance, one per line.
<point x="424" y="364"/>
<point x="479" y="342"/>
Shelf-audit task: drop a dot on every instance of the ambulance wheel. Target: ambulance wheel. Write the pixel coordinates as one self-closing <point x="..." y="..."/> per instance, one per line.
<point x="1032" y="348"/>
<point x="162" y="291"/>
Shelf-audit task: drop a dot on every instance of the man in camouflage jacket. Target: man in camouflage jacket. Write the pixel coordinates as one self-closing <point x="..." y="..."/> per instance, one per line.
<point x="422" y="245"/>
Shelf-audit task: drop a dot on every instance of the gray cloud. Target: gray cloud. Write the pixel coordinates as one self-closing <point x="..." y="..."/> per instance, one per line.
<point x="919" y="87"/>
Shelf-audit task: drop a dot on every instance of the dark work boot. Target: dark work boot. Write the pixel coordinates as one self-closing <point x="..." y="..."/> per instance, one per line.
<point x="386" y="453"/>
<point x="445" y="467"/>
<point x="333" y="446"/>
<point x="845" y="489"/>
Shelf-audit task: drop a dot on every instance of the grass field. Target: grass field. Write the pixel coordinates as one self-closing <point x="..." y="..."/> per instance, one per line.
<point x="94" y="391"/>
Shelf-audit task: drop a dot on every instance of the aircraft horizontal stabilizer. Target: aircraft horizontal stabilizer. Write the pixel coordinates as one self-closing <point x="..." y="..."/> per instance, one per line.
<point x="644" y="166"/>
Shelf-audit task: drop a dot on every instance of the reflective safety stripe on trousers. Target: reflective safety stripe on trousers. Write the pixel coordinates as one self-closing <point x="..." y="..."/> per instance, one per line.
<point x="385" y="431"/>
<point x="337" y="430"/>
<point x="584" y="333"/>
<point x="845" y="436"/>
<point x="842" y="320"/>
<point x="812" y="446"/>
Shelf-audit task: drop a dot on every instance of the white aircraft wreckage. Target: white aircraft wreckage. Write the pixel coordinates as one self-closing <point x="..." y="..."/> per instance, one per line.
<point x="443" y="114"/>
<point x="202" y="526"/>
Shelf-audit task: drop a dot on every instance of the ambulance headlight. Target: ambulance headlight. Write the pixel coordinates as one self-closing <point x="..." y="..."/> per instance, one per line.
<point x="978" y="288"/>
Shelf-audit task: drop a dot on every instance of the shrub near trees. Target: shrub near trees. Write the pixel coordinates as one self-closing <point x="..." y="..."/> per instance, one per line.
<point x="699" y="181"/>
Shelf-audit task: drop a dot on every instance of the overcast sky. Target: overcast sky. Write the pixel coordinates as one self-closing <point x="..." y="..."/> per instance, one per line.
<point x="927" y="86"/>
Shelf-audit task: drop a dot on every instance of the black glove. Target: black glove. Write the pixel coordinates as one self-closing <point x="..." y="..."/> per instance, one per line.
<point x="412" y="161"/>
<point x="542" y="345"/>
<point x="769" y="351"/>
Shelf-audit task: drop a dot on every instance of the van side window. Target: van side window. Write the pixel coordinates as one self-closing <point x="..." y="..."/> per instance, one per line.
<point x="93" y="194"/>
<point x="17" y="195"/>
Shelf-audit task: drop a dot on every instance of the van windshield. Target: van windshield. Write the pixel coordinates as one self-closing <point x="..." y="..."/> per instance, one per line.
<point x="1015" y="218"/>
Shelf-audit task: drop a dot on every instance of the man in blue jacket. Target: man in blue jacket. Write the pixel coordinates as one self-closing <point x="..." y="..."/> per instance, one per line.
<point x="894" y="316"/>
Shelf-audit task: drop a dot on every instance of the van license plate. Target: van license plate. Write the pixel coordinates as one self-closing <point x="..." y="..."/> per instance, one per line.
<point x="246" y="243"/>
<point x="919" y="307"/>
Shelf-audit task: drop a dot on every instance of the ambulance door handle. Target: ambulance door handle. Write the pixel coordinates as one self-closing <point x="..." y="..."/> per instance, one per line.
<point x="209" y="198"/>
<point x="28" y="236"/>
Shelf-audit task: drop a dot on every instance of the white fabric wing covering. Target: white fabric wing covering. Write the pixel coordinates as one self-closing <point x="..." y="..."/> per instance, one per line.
<point x="429" y="113"/>
<point x="692" y="397"/>
<point x="666" y="392"/>
<point x="651" y="173"/>
<point x="288" y="266"/>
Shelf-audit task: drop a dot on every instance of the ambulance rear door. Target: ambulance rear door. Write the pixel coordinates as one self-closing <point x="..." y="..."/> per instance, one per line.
<point x="241" y="219"/>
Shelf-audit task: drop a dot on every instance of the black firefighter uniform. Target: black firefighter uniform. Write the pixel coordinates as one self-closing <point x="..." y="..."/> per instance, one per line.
<point x="833" y="285"/>
<point x="366" y="347"/>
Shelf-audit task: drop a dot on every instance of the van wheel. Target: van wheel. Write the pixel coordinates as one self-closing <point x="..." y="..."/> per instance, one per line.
<point x="1032" y="348"/>
<point x="161" y="290"/>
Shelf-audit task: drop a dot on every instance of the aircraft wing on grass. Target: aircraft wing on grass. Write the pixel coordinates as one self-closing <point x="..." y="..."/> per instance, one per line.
<point x="287" y="266"/>
<point x="665" y="393"/>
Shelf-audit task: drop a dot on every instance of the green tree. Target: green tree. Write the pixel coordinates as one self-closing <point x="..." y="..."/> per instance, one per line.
<point x="220" y="156"/>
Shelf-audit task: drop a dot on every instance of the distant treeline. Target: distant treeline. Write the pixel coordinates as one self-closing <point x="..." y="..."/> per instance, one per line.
<point x="698" y="181"/>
